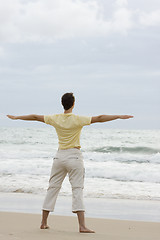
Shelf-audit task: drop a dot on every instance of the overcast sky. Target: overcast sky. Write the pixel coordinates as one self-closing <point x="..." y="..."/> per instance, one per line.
<point x="107" y="52"/>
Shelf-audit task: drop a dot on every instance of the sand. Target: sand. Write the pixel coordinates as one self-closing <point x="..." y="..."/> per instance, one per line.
<point x="24" y="226"/>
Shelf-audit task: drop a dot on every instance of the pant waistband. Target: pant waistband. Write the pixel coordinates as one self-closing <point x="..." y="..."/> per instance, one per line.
<point x="68" y="149"/>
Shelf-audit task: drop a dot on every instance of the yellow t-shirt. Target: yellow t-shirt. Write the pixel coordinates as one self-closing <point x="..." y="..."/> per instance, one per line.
<point x="68" y="127"/>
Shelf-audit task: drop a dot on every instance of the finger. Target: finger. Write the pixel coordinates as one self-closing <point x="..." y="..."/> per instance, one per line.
<point x="10" y="116"/>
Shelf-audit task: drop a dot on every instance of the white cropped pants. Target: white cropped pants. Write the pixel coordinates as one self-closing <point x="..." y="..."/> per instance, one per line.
<point x="66" y="161"/>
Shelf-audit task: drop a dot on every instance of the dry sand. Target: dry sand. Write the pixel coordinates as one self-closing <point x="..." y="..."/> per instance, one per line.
<point x="23" y="226"/>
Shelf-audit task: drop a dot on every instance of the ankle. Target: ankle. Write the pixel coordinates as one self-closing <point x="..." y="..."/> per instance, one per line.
<point x="82" y="226"/>
<point x="43" y="223"/>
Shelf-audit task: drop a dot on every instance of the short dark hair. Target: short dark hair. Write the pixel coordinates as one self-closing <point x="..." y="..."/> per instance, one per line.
<point x="67" y="100"/>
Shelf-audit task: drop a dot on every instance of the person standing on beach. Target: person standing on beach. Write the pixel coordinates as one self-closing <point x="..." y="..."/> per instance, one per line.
<point x="68" y="159"/>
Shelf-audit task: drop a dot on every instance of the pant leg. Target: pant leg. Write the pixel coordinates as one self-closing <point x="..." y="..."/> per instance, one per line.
<point x="76" y="172"/>
<point x="58" y="174"/>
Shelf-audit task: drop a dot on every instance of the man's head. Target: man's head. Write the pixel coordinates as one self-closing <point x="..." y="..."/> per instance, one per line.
<point x="67" y="100"/>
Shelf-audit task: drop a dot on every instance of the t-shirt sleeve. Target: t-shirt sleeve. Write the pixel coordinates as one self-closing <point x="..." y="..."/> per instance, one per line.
<point x="83" y="120"/>
<point x="49" y="119"/>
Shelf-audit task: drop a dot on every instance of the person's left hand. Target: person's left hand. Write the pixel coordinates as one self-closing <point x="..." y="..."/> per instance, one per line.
<point x="12" y="117"/>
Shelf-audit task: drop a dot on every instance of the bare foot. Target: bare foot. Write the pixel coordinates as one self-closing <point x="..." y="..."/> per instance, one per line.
<point x="43" y="226"/>
<point x="85" y="230"/>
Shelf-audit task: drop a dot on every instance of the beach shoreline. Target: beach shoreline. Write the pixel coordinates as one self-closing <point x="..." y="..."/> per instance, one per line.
<point x="117" y="209"/>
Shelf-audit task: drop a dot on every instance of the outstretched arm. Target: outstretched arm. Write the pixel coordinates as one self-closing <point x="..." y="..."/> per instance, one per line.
<point x="106" y="118"/>
<point x="32" y="117"/>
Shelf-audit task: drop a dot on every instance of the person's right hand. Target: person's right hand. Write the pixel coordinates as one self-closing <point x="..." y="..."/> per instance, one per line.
<point x="125" y="116"/>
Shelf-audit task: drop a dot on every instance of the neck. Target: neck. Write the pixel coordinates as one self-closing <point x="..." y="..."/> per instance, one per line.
<point x="68" y="111"/>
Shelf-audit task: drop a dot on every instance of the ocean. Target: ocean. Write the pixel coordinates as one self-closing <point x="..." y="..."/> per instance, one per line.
<point x="119" y="164"/>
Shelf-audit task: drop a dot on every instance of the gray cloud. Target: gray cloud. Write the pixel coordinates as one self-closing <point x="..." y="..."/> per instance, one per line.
<point x="50" y="20"/>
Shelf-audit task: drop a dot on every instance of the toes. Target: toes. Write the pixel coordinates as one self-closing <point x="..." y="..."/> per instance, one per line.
<point x="44" y="227"/>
